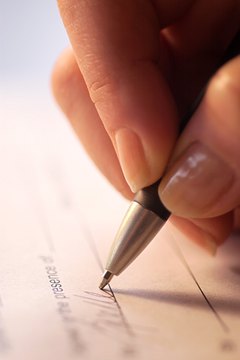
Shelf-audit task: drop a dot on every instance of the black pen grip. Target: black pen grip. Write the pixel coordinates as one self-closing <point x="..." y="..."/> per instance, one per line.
<point x="149" y="199"/>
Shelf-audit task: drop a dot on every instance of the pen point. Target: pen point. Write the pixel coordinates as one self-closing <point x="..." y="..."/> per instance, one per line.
<point x="107" y="277"/>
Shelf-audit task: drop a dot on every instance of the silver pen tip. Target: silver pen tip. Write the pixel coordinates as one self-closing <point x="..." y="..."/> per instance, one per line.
<point x="107" y="277"/>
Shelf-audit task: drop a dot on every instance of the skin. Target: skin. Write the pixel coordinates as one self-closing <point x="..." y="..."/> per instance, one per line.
<point x="133" y="71"/>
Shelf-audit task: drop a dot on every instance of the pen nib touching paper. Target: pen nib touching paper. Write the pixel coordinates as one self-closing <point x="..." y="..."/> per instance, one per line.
<point x="107" y="277"/>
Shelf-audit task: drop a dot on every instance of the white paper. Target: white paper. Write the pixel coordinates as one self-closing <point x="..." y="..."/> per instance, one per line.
<point x="58" y="217"/>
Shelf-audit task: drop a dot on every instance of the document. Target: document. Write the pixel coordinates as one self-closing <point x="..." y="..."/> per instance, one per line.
<point x="58" y="218"/>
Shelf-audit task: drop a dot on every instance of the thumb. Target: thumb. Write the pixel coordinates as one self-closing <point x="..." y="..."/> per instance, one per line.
<point x="203" y="179"/>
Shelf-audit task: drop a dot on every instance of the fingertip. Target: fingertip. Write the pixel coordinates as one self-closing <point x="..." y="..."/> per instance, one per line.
<point x="208" y="234"/>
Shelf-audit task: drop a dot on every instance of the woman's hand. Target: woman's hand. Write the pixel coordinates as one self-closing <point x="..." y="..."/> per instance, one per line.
<point x="135" y="68"/>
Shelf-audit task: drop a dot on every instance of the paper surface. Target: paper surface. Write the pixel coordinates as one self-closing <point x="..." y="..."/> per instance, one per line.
<point x="58" y="217"/>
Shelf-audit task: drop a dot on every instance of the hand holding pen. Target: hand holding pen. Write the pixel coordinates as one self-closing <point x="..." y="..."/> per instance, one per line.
<point x="135" y="69"/>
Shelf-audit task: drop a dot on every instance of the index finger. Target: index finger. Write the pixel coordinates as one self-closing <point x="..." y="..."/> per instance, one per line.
<point x="117" y="47"/>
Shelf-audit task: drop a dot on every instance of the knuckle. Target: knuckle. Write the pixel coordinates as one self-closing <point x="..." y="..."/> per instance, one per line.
<point x="100" y="90"/>
<point x="65" y="76"/>
<point x="225" y="82"/>
<point x="64" y="68"/>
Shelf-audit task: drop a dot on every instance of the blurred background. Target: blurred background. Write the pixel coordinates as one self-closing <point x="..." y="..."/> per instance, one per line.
<point x="35" y="136"/>
<point x="31" y="37"/>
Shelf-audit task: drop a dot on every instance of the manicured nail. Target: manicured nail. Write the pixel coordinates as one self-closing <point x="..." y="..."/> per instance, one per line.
<point x="210" y="245"/>
<point x="195" y="182"/>
<point x="132" y="158"/>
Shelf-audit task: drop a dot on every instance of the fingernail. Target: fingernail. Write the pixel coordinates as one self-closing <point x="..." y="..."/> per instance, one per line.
<point x="210" y="245"/>
<point x="132" y="158"/>
<point x="195" y="182"/>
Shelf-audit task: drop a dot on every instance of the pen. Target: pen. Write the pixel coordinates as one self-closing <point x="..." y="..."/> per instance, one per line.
<point x="146" y="214"/>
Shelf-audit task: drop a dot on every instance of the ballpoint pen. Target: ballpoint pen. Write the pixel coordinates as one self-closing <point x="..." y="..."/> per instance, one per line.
<point x="146" y="214"/>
